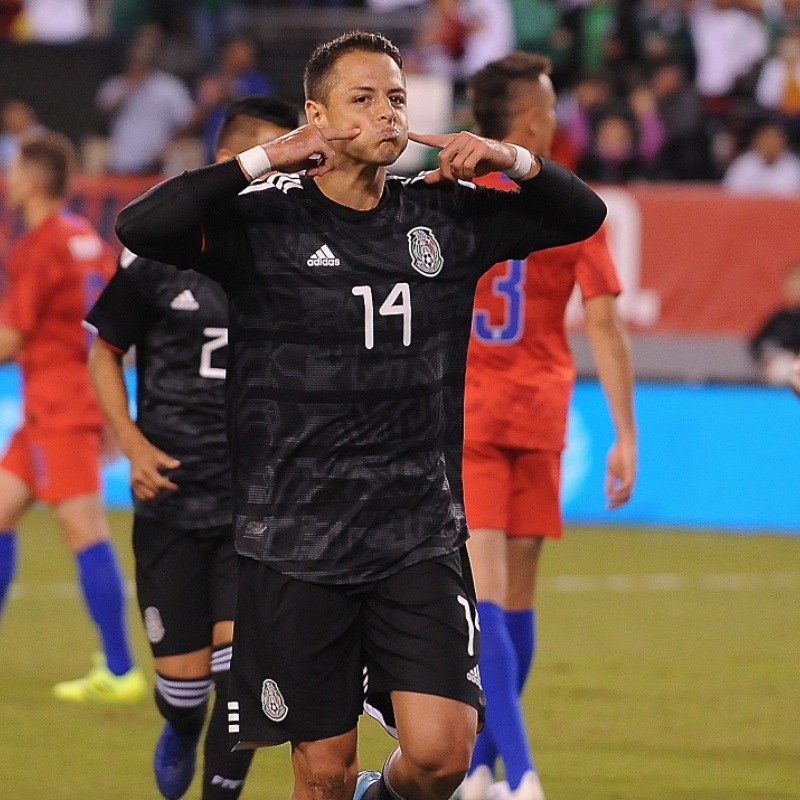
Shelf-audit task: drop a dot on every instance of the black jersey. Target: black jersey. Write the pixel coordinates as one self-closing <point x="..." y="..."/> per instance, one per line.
<point x="349" y="332"/>
<point x="178" y="321"/>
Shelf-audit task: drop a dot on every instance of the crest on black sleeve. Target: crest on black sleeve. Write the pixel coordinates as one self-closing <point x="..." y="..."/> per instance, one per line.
<point x="425" y="251"/>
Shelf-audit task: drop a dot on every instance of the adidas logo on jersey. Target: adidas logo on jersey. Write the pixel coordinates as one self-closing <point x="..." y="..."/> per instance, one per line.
<point x="185" y="302"/>
<point x="324" y="257"/>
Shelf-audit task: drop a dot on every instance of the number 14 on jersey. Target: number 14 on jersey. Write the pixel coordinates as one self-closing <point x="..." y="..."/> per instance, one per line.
<point x="397" y="303"/>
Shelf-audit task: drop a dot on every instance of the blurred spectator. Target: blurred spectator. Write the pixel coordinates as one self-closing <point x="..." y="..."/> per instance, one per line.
<point x="127" y="16"/>
<point x="11" y="18"/>
<point x="215" y="21"/>
<point x="458" y="37"/>
<point x="778" y="87"/>
<point x="614" y="156"/>
<point x="237" y="75"/>
<point x="580" y="110"/>
<point x="776" y="343"/>
<point x="147" y="108"/>
<point x="17" y="120"/>
<point x="684" y="155"/>
<point x="662" y="30"/>
<point x="767" y="167"/>
<point x="538" y="29"/>
<point x="58" y="20"/>
<point x="780" y="17"/>
<point x="730" y="42"/>
<point x="598" y="44"/>
<point x="648" y="122"/>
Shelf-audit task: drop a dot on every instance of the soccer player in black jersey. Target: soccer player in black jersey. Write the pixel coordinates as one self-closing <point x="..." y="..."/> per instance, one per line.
<point x="180" y="476"/>
<point x="350" y="299"/>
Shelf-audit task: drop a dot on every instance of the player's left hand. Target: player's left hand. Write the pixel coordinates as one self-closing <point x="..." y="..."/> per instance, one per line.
<point x="620" y="473"/>
<point x="465" y="156"/>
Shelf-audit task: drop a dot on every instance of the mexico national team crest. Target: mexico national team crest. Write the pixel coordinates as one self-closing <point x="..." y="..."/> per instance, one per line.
<point x="272" y="702"/>
<point x="426" y="254"/>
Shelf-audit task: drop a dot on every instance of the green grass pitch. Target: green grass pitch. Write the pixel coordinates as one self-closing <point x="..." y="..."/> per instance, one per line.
<point x="668" y="669"/>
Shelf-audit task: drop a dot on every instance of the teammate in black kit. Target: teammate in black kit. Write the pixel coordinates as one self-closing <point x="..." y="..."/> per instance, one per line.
<point x="350" y="308"/>
<point x="180" y="475"/>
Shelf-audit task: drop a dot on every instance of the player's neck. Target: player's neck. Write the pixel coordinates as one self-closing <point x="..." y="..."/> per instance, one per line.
<point x="37" y="209"/>
<point x="360" y="188"/>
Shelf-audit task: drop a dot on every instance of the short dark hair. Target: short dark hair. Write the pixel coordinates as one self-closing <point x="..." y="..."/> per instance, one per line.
<point x="55" y="155"/>
<point x="319" y="66"/>
<point x="268" y="108"/>
<point x="494" y="89"/>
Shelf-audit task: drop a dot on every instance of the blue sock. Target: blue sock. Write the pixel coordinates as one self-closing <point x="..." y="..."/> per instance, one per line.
<point x="104" y="591"/>
<point x="522" y="630"/>
<point x="8" y="563"/>
<point x="504" y="722"/>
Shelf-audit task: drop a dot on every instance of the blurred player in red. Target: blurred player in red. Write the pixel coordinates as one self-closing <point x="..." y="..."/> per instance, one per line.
<point x="519" y="381"/>
<point x="54" y="273"/>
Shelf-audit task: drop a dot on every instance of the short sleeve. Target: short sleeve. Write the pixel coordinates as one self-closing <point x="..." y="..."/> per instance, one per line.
<point x="123" y="313"/>
<point x="594" y="269"/>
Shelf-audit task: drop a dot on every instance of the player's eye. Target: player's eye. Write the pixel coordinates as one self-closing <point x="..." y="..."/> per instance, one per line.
<point x="398" y="100"/>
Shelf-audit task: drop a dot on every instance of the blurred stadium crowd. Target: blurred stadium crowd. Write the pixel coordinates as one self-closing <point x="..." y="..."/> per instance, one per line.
<point x="650" y="90"/>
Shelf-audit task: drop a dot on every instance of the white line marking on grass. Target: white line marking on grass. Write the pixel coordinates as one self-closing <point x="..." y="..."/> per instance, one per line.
<point x="559" y="584"/>
<point x="58" y="591"/>
<point x="672" y="582"/>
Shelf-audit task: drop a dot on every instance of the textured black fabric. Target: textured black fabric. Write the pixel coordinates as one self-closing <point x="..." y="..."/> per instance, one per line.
<point x="178" y="322"/>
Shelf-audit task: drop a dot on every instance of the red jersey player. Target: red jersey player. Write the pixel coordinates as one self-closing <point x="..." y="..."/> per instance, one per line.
<point x="54" y="272"/>
<point x="519" y="381"/>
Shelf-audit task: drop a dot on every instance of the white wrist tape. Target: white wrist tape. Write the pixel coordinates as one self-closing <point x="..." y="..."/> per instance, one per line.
<point x="522" y="163"/>
<point x="255" y="162"/>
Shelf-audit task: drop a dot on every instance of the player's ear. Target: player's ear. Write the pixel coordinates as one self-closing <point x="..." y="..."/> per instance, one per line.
<point x="315" y="113"/>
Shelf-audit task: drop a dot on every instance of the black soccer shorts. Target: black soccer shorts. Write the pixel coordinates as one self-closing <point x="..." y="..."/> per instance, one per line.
<point x="307" y="656"/>
<point x="185" y="583"/>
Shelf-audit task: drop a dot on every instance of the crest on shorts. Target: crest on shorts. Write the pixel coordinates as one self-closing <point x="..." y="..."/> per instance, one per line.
<point x="425" y="251"/>
<point x="272" y="702"/>
<point x="153" y="625"/>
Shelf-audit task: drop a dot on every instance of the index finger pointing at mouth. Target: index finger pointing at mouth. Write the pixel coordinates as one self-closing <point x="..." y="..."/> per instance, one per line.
<point x="432" y="140"/>
<point x="334" y="134"/>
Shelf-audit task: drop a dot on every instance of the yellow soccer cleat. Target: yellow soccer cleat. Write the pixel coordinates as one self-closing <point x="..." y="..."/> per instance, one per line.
<point x="100" y="685"/>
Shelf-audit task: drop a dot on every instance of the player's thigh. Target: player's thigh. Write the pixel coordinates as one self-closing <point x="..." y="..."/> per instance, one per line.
<point x="325" y="769"/>
<point x="174" y="586"/>
<point x="487" y="485"/>
<point x="297" y="666"/>
<point x="421" y="636"/>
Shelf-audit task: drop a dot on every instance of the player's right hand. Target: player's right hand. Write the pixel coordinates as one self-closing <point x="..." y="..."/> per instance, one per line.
<point x="307" y="148"/>
<point x="148" y="468"/>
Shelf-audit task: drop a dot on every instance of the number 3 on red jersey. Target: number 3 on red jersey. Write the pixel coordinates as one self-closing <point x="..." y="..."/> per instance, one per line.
<point x="511" y="287"/>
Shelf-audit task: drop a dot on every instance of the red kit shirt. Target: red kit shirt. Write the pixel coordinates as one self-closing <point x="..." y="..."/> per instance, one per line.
<point x="519" y="370"/>
<point x="54" y="273"/>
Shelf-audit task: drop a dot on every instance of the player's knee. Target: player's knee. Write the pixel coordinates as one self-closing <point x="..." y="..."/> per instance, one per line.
<point x="323" y="772"/>
<point x="441" y="765"/>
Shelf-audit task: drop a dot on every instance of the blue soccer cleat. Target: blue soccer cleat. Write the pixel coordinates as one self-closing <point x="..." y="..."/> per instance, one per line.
<point x="174" y="762"/>
<point x="363" y="782"/>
